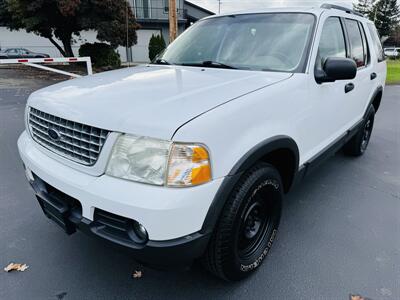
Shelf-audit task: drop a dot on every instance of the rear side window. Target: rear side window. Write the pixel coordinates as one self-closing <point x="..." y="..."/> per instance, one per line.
<point x="358" y="53"/>
<point x="367" y="57"/>
<point x="376" y="42"/>
<point x="332" y="43"/>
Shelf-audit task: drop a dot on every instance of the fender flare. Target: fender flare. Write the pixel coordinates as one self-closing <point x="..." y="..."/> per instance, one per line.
<point x="262" y="149"/>
<point x="378" y="90"/>
<point x="246" y="162"/>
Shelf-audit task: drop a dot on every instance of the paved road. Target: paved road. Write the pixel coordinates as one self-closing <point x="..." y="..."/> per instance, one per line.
<point x="340" y="231"/>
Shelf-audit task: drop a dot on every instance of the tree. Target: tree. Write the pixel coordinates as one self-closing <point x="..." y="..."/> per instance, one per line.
<point x="65" y="19"/>
<point x="394" y="39"/>
<point x="364" y="7"/>
<point x="385" y="14"/>
<point x="156" y="46"/>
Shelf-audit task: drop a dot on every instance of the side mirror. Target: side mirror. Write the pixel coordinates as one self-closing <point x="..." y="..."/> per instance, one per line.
<point x="336" y="68"/>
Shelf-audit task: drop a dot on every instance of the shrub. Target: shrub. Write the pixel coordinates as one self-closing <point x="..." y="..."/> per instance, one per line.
<point x="156" y="46"/>
<point x="102" y="55"/>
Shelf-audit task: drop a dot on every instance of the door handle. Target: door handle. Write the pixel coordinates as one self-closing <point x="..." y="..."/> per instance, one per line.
<point x="348" y="87"/>
<point x="373" y="76"/>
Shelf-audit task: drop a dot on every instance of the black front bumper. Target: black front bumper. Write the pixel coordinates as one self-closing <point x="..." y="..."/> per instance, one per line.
<point x="67" y="213"/>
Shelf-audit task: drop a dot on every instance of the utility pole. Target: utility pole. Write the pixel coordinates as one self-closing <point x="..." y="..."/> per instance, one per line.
<point x="128" y="57"/>
<point x="173" y="21"/>
<point x="219" y="6"/>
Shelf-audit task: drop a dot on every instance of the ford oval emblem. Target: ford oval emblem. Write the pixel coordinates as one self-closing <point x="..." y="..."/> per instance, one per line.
<point x="53" y="134"/>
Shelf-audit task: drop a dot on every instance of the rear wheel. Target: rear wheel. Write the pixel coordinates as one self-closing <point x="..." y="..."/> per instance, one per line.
<point x="248" y="225"/>
<point x="359" y="143"/>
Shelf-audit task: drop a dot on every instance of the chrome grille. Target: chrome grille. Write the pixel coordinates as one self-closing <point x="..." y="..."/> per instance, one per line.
<point x="77" y="142"/>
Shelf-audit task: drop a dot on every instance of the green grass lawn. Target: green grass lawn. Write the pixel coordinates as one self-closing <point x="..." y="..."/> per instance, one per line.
<point x="393" y="72"/>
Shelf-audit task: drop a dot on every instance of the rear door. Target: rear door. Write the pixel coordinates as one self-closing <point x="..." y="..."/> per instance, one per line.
<point x="377" y="56"/>
<point x="359" y="52"/>
<point x="26" y="54"/>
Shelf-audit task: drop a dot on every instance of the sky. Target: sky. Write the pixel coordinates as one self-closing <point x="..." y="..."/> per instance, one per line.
<point x="236" y="5"/>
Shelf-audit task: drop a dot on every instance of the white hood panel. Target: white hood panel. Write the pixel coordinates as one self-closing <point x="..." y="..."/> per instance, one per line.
<point x="148" y="100"/>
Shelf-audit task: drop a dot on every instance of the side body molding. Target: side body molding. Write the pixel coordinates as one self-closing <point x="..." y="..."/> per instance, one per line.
<point x="246" y="162"/>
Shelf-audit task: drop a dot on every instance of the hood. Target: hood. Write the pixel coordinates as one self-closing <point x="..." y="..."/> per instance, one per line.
<point x="148" y="100"/>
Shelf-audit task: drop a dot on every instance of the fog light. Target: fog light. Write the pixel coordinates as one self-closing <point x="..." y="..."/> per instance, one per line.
<point x="140" y="231"/>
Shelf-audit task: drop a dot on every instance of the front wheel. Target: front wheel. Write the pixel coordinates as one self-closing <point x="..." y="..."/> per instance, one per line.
<point x="359" y="143"/>
<point x="248" y="225"/>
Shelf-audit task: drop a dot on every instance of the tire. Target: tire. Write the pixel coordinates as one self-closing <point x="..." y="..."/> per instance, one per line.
<point x="359" y="143"/>
<point x="247" y="226"/>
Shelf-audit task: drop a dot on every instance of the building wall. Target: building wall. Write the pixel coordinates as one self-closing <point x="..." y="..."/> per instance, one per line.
<point x="155" y="9"/>
<point x="22" y="39"/>
<point x="140" y="52"/>
<point x="196" y="13"/>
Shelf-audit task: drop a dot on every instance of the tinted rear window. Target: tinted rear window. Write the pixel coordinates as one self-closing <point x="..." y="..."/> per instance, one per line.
<point x="356" y="43"/>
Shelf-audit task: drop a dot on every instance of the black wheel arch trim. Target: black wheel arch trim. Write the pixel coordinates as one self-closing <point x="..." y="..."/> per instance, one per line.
<point x="378" y="90"/>
<point x="262" y="149"/>
<point x="246" y="162"/>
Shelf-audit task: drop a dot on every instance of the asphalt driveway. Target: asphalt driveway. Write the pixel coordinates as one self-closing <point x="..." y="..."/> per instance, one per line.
<point x="340" y="230"/>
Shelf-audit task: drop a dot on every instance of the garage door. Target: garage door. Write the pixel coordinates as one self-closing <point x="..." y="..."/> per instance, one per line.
<point x="140" y="52"/>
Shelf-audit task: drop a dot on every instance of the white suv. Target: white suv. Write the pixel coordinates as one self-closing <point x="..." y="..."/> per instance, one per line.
<point x="190" y="156"/>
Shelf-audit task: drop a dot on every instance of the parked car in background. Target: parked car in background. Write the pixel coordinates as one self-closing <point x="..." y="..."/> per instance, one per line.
<point x="392" y="52"/>
<point x="20" y="53"/>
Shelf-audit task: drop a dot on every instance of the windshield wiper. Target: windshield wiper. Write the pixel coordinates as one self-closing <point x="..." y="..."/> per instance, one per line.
<point x="210" y="64"/>
<point x="161" y="61"/>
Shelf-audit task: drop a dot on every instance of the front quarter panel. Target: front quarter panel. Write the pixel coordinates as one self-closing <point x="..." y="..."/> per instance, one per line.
<point x="233" y="129"/>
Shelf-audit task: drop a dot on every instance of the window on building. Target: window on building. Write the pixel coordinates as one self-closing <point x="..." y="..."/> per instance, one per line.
<point x="143" y="9"/>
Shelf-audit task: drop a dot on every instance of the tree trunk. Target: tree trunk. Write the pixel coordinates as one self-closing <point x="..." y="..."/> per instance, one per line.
<point x="68" y="47"/>
<point x="59" y="48"/>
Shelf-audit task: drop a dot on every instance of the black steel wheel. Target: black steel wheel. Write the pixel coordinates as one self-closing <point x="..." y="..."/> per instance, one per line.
<point x="359" y="143"/>
<point x="366" y="135"/>
<point x="248" y="225"/>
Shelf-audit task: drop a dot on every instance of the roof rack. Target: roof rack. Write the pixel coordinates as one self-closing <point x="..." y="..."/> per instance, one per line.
<point x="342" y="8"/>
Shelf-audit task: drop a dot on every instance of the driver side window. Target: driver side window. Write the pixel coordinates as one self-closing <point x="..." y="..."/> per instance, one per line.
<point x="332" y="43"/>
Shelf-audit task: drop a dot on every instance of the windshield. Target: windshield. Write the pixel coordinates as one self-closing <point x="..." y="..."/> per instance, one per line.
<point x="268" y="42"/>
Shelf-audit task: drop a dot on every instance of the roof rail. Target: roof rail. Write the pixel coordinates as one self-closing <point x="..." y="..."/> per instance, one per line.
<point x="342" y="8"/>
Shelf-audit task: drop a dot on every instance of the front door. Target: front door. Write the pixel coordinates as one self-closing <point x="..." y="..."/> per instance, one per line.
<point x="332" y="111"/>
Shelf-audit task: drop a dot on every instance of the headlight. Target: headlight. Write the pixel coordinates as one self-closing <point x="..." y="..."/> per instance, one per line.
<point x="159" y="162"/>
<point x="139" y="159"/>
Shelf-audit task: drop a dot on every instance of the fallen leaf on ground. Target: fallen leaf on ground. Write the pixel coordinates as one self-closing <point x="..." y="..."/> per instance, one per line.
<point x="358" y="297"/>
<point x="16" y="267"/>
<point x="137" y="274"/>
